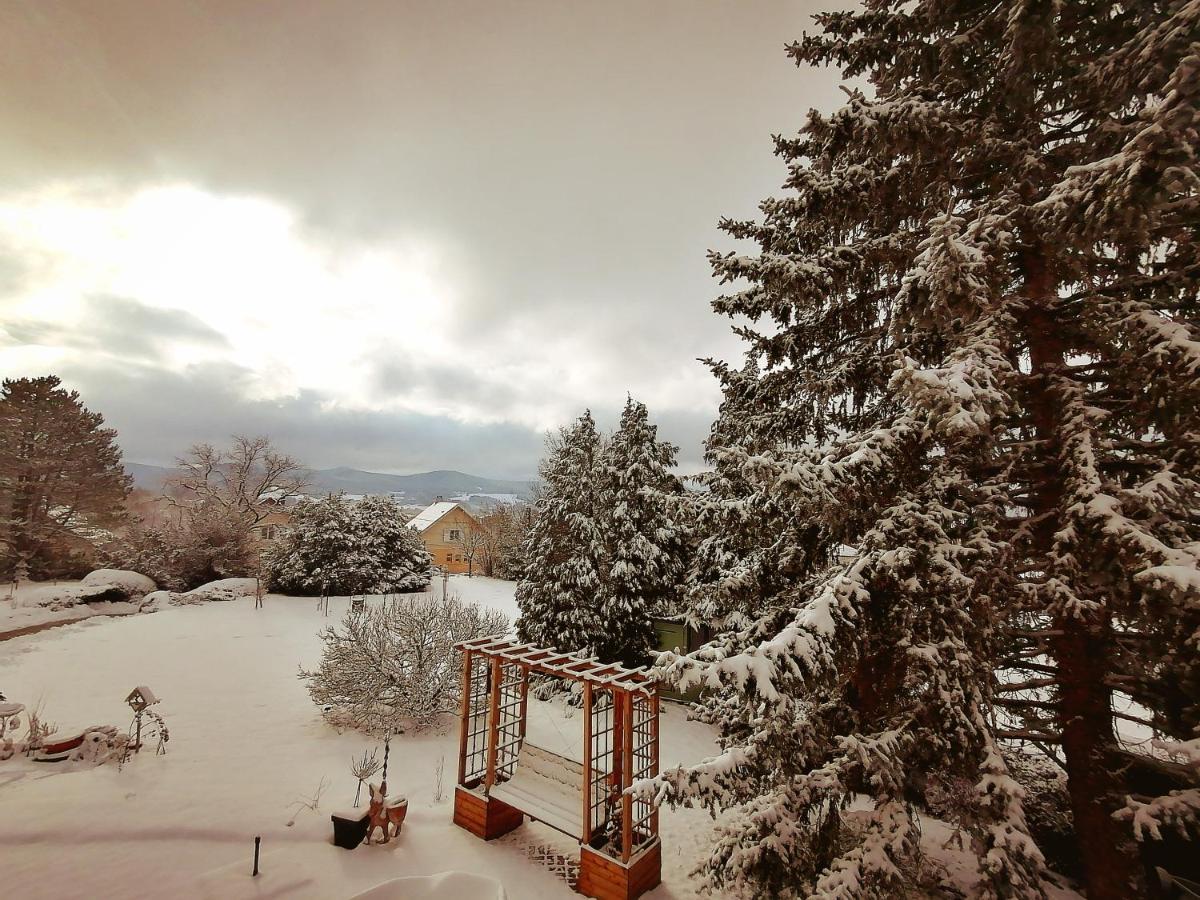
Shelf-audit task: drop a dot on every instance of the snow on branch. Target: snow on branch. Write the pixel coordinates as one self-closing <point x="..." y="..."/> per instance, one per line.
<point x="1178" y="810"/>
<point x="803" y="647"/>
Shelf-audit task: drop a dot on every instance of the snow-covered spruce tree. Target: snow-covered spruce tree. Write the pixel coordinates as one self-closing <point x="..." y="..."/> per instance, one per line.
<point x="564" y="561"/>
<point x="393" y="553"/>
<point x="976" y="358"/>
<point x="62" y="487"/>
<point x="335" y="546"/>
<point x="645" y="542"/>
<point x="321" y="553"/>
<point x="605" y="551"/>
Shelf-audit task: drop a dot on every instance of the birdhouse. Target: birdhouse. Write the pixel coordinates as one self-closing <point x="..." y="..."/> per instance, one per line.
<point x="141" y="697"/>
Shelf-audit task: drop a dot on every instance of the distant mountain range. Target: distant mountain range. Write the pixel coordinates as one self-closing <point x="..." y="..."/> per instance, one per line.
<point x="411" y="490"/>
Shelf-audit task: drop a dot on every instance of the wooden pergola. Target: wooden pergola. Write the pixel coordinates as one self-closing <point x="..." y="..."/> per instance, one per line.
<point x="502" y="777"/>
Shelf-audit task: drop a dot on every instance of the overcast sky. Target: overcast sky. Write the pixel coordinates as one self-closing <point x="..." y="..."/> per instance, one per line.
<point x="398" y="236"/>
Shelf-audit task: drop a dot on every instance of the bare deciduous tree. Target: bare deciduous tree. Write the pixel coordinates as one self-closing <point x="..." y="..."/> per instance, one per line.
<point x="472" y="541"/>
<point x="395" y="663"/>
<point x="506" y="527"/>
<point x="239" y="480"/>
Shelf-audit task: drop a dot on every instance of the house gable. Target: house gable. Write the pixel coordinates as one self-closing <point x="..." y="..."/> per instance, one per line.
<point x="443" y="526"/>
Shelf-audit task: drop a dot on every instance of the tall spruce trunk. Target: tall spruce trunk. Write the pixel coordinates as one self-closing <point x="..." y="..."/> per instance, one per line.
<point x="1111" y="866"/>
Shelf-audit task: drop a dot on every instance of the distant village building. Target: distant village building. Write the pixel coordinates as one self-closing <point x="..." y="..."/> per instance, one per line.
<point x="275" y="523"/>
<point x="451" y="535"/>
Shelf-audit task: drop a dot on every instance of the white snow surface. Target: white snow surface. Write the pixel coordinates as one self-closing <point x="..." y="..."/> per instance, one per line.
<point x="447" y="886"/>
<point x="246" y="746"/>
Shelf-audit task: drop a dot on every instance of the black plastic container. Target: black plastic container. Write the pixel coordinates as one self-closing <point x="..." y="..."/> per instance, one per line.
<point x="349" y="833"/>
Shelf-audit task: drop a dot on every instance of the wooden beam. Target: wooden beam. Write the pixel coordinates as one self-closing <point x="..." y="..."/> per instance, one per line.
<point x="587" y="762"/>
<point x="493" y="725"/>
<point x="464" y="717"/>
<point x="654" y="711"/>
<point x="524" y="699"/>
<point x="627" y="779"/>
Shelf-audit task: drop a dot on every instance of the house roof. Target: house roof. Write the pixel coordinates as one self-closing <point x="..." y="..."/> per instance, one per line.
<point x="430" y="514"/>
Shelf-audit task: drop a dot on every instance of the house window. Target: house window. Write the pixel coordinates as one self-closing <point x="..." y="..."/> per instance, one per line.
<point x="454" y="534"/>
<point x="449" y="557"/>
<point x="269" y="532"/>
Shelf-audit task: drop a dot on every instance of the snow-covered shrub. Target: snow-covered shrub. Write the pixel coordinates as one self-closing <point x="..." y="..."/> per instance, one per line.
<point x="209" y="544"/>
<point x="392" y="664"/>
<point x="135" y="584"/>
<point x="100" y="586"/>
<point x="223" y="589"/>
<point x="338" y="547"/>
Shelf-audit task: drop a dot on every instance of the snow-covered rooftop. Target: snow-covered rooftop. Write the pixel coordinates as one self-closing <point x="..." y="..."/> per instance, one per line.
<point x="430" y="514"/>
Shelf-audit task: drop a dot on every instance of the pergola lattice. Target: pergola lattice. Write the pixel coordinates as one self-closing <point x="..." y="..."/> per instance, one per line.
<point x="502" y="777"/>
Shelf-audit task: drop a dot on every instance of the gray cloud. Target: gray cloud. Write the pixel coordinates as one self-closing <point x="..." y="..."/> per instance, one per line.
<point x="118" y="327"/>
<point x="159" y="414"/>
<point x="572" y="161"/>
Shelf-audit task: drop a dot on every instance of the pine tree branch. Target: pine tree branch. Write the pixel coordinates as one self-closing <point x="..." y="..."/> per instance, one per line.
<point x="1032" y="736"/>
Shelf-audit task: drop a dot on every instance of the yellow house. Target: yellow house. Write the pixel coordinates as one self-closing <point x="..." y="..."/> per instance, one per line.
<point x="271" y="527"/>
<point x="452" y="536"/>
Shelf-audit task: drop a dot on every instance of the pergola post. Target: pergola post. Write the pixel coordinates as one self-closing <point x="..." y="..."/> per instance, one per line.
<point x="587" y="762"/>
<point x="524" y="700"/>
<point x="493" y="726"/>
<point x="654" y="758"/>
<point x="626" y="777"/>
<point x="464" y="717"/>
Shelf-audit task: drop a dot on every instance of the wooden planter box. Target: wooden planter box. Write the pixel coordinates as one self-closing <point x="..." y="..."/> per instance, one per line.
<point x="484" y="817"/>
<point x="605" y="878"/>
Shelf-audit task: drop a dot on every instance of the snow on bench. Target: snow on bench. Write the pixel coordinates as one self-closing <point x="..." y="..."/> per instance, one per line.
<point x="546" y="787"/>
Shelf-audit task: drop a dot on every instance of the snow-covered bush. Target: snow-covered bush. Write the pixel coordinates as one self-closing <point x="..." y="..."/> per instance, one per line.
<point x="100" y="586"/>
<point x="1047" y="809"/>
<point x="135" y="584"/>
<point x="338" y="547"/>
<point x="393" y="664"/>
<point x="223" y="589"/>
<point x="209" y="544"/>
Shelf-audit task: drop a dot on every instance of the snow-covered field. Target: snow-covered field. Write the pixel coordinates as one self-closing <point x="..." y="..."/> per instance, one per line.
<point x="247" y="746"/>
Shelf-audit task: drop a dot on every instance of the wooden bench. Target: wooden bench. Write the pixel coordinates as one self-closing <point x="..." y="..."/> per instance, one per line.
<point x="546" y="787"/>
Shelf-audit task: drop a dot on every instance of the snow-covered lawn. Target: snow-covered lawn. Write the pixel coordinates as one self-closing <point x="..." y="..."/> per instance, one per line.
<point x="246" y="746"/>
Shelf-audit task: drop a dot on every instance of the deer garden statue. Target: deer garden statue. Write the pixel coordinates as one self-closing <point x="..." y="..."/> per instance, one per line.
<point x="386" y="814"/>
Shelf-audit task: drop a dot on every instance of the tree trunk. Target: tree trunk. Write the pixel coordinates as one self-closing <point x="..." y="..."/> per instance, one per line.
<point x="1111" y="863"/>
<point x="1111" y="867"/>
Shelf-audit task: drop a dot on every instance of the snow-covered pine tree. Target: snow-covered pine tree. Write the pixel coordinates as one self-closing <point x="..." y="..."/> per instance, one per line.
<point x="559" y="593"/>
<point x="62" y="486"/>
<point x="646" y="543"/>
<point x="393" y="554"/>
<point x="979" y="362"/>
